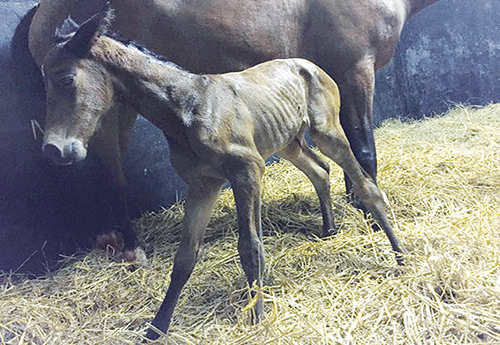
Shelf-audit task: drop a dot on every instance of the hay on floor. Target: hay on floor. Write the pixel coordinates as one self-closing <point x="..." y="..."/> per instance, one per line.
<point x="442" y="180"/>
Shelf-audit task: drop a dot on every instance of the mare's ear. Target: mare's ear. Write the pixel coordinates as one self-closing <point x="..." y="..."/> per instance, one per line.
<point x="78" y="38"/>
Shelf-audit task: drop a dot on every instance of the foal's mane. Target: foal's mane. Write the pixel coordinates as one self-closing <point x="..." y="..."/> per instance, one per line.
<point x="115" y="35"/>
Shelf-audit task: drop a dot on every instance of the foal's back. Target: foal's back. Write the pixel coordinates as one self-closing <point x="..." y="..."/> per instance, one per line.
<point x="272" y="103"/>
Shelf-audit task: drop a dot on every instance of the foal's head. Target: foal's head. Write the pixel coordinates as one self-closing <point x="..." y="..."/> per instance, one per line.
<point x="78" y="88"/>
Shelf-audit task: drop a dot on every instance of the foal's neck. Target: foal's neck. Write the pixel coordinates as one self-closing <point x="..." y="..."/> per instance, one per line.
<point x="158" y="90"/>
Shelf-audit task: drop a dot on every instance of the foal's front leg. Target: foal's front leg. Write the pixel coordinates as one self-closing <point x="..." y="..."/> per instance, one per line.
<point x="200" y="199"/>
<point x="246" y="184"/>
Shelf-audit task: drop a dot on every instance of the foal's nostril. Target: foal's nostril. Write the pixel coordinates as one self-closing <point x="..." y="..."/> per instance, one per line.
<point x="52" y="152"/>
<point x="64" y="152"/>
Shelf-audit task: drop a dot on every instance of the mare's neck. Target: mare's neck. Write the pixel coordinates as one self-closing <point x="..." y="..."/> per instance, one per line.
<point x="158" y="90"/>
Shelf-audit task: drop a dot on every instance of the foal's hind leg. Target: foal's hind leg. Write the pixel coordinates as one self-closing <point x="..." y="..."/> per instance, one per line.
<point x="318" y="171"/>
<point x="335" y="145"/>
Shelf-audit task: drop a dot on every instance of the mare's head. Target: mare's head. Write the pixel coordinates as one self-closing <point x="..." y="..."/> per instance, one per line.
<point x="78" y="88"/>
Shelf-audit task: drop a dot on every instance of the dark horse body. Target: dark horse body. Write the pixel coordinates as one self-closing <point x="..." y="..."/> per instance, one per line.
<point x="221" y="128"/>
<point x="349" y="39"/>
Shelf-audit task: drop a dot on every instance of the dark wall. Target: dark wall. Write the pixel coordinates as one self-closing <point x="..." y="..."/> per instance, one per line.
<point x="448" y="53"/>
<point x="48" y="210"/>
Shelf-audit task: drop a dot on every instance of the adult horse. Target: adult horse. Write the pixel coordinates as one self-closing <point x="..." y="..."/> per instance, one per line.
<point x="350" y="40"/>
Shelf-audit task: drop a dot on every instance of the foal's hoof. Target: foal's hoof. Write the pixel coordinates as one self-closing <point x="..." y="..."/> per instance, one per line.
<point x="330" y="232"/>
<point x="151" y="335"/>
<point x="400" y="255"/>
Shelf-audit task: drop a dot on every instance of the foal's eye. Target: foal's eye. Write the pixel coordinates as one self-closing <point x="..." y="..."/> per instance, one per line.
<point x="67" y="81"/>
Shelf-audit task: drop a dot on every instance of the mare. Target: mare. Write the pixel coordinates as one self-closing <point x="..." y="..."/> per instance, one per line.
<point x="350" y="40"/>
<point x="221" y="127"/>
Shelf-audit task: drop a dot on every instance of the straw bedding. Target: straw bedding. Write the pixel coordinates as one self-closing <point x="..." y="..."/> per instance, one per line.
<point x="442" y="180"/>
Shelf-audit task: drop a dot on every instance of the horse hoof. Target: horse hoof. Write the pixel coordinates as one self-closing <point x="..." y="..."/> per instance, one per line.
<point x="137" y="257"/>
<point x="108" y="242"/>
<point x="330" y="232"/>
<point x="151" y="336"/>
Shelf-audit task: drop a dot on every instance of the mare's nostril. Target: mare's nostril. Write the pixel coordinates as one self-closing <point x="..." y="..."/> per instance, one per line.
<point x="52" y="152"/>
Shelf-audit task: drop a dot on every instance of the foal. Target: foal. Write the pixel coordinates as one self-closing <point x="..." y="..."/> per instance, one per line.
<point x="219" y="127"/>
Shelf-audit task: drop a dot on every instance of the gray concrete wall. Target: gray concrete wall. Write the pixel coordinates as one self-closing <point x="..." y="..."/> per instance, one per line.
<point x="448" y="53"/>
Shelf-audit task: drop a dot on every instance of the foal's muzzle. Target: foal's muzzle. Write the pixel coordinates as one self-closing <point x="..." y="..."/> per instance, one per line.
<point x="64" y="152"/>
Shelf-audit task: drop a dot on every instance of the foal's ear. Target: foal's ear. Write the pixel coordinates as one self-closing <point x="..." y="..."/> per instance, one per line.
<point x="66" y="30"/>
<point x="78" y="38"/>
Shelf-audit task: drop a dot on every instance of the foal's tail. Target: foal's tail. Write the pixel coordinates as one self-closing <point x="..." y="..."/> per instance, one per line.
<point x="323" y="98"/>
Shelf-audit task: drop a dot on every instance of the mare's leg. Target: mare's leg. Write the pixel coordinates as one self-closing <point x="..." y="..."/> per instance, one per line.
<point x="200" y="199"/>
<point x="335" y="145"/>
<point x="245" y="176"/>
<point x="126" y="120"/>
<point x="318" y="171"/>
<point x="356" y="117"/>
<point x="106" y="143"/>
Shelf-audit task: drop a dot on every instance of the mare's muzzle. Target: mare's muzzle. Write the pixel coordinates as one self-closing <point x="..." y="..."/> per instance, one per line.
<point x="64" y="151"/>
